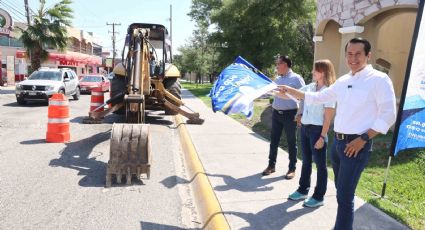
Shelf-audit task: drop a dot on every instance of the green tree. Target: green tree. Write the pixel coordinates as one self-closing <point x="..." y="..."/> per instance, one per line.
<point x="48" y="30"/>
<point x="199" y="55"/>
<point x="258" y="30"/>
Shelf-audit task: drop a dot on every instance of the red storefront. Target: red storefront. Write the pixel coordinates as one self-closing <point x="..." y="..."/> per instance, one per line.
<point x="80" y="63"/>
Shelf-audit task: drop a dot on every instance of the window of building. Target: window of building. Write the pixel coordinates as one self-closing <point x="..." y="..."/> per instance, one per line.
<point x="12" y="42"/>
<point x="382" y="65"/>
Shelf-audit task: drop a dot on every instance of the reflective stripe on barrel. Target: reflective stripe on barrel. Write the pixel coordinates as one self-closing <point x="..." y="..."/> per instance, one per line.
<point x="58" y="119"/>
<point x="97" y="99"/>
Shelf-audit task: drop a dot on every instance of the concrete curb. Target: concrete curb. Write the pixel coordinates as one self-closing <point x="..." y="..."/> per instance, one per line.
<point x="209" y="208"/>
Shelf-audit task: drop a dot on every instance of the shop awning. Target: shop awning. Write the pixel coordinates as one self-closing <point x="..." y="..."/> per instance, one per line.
<point x="75" y="58"/>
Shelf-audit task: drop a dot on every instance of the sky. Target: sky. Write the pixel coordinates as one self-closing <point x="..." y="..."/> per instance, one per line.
<point x="92" y="16"/>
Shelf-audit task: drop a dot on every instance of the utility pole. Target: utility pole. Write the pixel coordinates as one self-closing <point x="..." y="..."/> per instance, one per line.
<point x="171" y="32"/>
<point x="27" y="12"/>
<point x="113" y="40"/>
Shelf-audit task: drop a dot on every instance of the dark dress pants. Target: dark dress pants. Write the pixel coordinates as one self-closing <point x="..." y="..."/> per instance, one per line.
<point x="283" y="120"/>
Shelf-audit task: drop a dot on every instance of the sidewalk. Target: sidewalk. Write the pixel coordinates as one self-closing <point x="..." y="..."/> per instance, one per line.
<point x="7" y="89"/>
<point x="233" y="158"/>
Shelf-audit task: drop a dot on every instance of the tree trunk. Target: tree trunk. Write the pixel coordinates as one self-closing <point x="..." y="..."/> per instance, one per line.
<point x="36" y="58"/>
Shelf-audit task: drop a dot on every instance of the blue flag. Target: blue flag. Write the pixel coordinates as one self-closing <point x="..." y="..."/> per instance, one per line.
<point x="410" y="126"/>
<point x="237" y="87"/>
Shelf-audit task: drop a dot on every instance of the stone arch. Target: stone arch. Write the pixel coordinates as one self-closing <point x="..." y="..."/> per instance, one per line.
<point x="329" y="47"/>
<point x="372" y="14"/>
<point x="322" y="25"/>
<point x="390" y="32"/>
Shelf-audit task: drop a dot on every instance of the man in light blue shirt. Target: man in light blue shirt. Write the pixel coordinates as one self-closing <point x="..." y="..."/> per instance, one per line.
<point x="283" y="117"/>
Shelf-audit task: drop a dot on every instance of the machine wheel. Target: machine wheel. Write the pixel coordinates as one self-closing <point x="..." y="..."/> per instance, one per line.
<point x="76" y="95"/>
<point x="173" y="86"/>
<point x="118" y="85"/>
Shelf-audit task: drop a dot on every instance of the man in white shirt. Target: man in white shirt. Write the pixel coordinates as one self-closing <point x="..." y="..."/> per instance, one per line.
<point x="365" y="107"/>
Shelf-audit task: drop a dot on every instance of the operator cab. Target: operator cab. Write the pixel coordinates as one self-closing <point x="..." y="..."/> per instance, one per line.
<point x="160" y="56"/>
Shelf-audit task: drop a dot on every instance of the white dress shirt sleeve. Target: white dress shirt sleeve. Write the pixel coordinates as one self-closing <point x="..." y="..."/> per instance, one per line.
<point x="385" y="99"/>
<point x="325" y="96"/>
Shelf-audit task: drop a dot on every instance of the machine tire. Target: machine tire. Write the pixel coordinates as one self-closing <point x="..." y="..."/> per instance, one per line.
<point x="118" y="85"/>
<point x="173" y="86"/>
<point x="77" y="93"/>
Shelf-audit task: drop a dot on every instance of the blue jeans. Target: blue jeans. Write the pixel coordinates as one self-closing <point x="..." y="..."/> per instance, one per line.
<point x="309" y="135"/>
<point x="283" y="120"/>
<point x="347" y="174"/>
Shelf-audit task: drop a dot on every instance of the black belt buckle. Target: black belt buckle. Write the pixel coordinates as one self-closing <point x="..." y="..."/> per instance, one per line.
<point x="278" y="111"/>
<point x="340" y="136"/>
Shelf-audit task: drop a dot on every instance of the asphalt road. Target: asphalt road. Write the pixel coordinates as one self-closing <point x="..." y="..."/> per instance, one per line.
<point x="61" y="185"/>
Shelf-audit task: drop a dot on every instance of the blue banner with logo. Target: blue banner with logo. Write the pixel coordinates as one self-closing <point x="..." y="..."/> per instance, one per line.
<point x="410" y="126"/>
<point x="237" y="86"/>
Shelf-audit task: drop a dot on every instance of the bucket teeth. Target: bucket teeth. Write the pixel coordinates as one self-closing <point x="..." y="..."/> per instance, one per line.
<point x="129" y="152"/>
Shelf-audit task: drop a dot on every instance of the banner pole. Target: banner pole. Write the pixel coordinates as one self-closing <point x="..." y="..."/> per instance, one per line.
<point x="385" y="178"/>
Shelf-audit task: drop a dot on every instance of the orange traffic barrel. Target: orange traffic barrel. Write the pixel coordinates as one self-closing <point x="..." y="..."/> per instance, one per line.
<point x="97" y="99"/>
<point x="58" y="119"/>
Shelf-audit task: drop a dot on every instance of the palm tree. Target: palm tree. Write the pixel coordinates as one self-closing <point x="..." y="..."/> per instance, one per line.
<point x="47" y="31"/>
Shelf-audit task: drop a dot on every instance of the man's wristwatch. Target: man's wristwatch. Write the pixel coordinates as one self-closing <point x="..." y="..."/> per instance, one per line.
<point x="365" y="137"/>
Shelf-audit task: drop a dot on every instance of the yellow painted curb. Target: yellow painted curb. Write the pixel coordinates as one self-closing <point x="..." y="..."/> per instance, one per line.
<point x="210" y="210"/>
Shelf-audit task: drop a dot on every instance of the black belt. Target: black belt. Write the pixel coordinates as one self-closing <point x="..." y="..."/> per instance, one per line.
<point x="313" y="126"/>
<point x="285" y="111"/>
<point x="342" y="136"/>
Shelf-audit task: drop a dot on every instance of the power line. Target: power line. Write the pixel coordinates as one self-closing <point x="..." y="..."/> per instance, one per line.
<point x="12" y="7"/>
<point x="90" y="26"/>
<point x="13" y="4"/>
<point x="14" y="13"/>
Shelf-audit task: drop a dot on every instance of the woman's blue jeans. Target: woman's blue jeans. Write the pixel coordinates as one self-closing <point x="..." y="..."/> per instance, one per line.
<point x="309" y="135"/>
<point x="347" y="174"/>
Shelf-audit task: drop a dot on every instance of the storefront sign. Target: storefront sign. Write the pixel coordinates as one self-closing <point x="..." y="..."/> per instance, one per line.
<point x="5" y="22"/>
<point x="108" y="62"/>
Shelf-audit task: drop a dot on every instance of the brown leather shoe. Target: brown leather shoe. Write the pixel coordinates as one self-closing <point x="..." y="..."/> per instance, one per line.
<point x="268" y="171"/>
<point x="289" y="175"/>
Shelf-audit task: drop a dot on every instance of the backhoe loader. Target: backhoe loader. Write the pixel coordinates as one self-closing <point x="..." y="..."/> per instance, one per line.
<point x="145" y="80"/>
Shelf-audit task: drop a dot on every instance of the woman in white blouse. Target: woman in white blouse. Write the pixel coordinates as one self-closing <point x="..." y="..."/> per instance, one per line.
<point x="315" y="120"/>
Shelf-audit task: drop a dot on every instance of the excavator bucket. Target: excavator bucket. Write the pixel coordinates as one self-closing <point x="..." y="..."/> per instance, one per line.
<point x="129" y="153"/>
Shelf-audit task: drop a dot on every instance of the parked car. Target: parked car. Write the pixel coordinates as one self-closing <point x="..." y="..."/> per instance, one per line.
<point x="44" y="82"/>
<point x="88" y="82"/>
